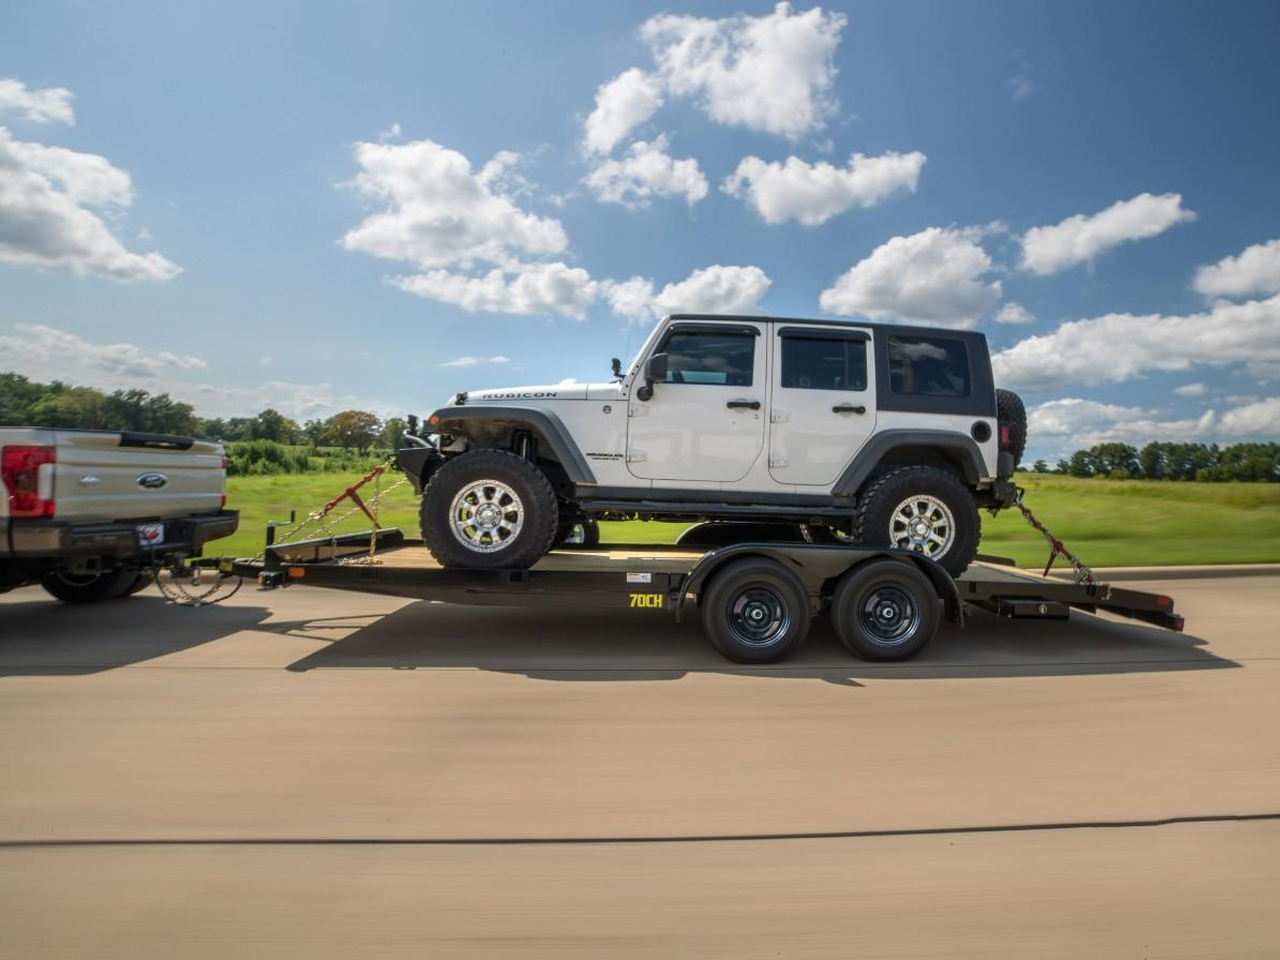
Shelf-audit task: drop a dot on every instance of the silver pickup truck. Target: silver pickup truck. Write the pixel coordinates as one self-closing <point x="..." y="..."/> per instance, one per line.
<point x="87" y="513"/>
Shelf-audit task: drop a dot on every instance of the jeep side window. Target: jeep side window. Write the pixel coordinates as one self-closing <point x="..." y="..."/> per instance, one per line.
<point x="726" y="359"/>
<point x="928" y="366"/>
<point x="810" y="363"/>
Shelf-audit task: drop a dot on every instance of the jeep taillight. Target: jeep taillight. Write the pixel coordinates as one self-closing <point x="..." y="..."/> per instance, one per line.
<point x="1005" y="436"/>
<point x="27" y="473"/>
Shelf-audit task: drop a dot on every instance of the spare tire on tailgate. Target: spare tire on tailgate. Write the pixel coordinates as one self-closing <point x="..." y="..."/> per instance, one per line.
<point x="1011" y="414"/>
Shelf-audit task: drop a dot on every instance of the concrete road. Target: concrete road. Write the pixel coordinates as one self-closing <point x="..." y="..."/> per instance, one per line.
<point x="304" y="773"/>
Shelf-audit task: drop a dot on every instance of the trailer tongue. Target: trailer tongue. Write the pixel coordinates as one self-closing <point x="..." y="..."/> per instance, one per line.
<point x="756" y="599"/>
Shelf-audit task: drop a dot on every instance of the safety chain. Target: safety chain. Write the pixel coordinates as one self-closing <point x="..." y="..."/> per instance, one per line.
<point x="176" y="593"/>
<point x="1084" y="574"/>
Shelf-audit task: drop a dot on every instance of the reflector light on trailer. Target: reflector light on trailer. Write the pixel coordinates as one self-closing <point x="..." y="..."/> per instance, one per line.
<point x="27" y="473"/>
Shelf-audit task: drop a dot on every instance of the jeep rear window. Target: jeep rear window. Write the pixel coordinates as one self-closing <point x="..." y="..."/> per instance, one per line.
<point x="726" y="359"/>
<point x="928" y="366"/>
<point x="810" y="363"/>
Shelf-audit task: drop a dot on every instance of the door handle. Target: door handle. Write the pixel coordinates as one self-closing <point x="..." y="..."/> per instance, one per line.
<point x="848" y="408"/>
<point x="743" y="404"/>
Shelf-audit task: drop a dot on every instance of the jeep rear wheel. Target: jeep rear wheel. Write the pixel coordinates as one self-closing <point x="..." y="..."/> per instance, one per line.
<point x="923" y="509"/>
<point x="488" y="509"/>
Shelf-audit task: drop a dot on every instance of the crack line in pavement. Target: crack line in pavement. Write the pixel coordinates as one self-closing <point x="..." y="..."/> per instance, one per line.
<point x="579" y="841"/>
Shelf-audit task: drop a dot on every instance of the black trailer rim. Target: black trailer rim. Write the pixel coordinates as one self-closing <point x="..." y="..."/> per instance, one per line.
<point x="759" y="616"/>
<point x="888" y="614"/>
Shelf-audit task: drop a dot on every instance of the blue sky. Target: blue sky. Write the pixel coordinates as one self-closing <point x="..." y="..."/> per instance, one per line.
<point x="313" y="206"/>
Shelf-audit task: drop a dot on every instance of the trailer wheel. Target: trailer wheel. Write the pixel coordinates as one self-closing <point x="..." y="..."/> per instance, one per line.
<point x="885" y="610"/>
<point x="90" y="587"/>
<point x="488" y="509"/>
<point x="755" y="611"/>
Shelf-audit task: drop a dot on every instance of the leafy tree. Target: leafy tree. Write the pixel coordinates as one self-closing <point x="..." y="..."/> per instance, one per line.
<point x="272" y="425"/>
<point x="1080" y="465"/>
<point x="391" y="431"/>
<point x="17" y="394"/>
<point x="81" y="408"/>
<point x="1040" y="466"/>
<point x="313" y="430"/>
<point x="352" y="428"/>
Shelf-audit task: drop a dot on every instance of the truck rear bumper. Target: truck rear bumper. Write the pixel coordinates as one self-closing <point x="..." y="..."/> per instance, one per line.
<point x="52" y="539"/>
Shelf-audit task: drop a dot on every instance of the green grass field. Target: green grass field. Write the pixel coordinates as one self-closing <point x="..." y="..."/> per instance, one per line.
<point x="1106" y="522"/>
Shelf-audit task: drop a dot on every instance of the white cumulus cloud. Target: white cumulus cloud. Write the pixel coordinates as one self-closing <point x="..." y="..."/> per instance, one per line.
<point x="439" y="212"/>
<point x="714" y="289"/>
<point x="50" y="105"/>
<point x="622" y="104"/>
<point x="648" y="172"/>
<point x="474" y="361"/>
<point x="937" y="276"/>
<point x="1121" y="346"/>
<point x="545" y="289"/>
<point x="814" y="193"/>
<point x="1256" y="270"/>
<point x="1080" y="239"/>
<point x="47" y="353"/>
<point x="1190" y="390"/>
<point x="1013" y="312"/>
<point x="1255" y="419"/>
<point x="1071" y="423"/>
<point x="773" y="74"/>
<point x="44" y="220"/>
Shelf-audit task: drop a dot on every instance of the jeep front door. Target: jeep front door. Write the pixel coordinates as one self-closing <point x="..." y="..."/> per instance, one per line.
<point x="823" y="407"/>
<point x="705" y="421"/>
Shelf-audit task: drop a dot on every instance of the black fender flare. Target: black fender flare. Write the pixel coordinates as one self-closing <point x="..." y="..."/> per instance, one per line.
<point x="960" y="446"/>
<point x="542" y="422"/>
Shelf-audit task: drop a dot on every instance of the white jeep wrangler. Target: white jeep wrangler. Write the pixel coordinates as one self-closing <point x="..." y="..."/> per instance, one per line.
<point x="864" y="433"/>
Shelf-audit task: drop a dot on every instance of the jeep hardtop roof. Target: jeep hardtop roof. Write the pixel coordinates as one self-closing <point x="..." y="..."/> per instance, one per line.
<point x="881" y="328"/>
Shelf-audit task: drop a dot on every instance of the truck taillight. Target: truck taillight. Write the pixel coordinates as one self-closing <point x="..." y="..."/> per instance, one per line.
<point x="226" y="462"/>
<point x="27" y="473"/>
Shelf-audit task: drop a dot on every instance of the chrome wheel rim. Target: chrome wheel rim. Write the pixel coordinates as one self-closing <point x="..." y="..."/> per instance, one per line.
<point x="758" y="616"/>
<point x="888" y="615"/>
<point x="924" y="524"/>
<point x="486" y="516"/>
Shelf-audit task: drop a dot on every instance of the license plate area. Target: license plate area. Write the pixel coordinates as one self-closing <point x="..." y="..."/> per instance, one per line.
<point x="150" y="534"/>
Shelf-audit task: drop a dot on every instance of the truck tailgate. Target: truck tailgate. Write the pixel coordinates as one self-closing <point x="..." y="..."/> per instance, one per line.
<point x="127" y="476"/>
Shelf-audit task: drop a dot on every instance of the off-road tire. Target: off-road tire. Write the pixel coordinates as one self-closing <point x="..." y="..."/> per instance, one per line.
<point x="565" y="535"/>
<point x="90" y="588"/>
<point x="1012" y="413"/>
<point x="750" y="587"/>
<point x="539" y="515"/>
<point x="884" y="610"/>
<point x="887" y="493"/>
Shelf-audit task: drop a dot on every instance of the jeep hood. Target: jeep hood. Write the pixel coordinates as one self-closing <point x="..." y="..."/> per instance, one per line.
<point x="542" y="394"/>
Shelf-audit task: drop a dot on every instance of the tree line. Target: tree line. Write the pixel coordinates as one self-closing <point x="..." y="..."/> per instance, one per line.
<point x="1172" y="461"/>
<point x="24" y="402"/>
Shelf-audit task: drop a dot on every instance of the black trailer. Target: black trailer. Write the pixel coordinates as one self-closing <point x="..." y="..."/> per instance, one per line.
<point x="756" y="599"/>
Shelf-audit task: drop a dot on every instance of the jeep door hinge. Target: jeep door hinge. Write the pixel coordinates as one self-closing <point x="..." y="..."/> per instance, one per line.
<point x="777" y="461"/>
<point x="635" y="411"/>
<point x="779" y="416"/>
<point x="636" y="456"/>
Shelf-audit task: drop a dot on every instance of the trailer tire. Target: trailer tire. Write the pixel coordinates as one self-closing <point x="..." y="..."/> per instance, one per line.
<point x="885" y="610"/>
<point x="488" y="509"/>
<point x="90" y="587"/>
<point x="755" y="611"/>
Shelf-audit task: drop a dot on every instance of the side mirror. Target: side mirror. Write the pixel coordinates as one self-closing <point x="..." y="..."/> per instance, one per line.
<point x="655" y="371"/>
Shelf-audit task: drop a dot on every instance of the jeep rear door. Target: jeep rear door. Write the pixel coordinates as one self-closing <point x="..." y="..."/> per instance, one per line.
<point x="823" y="407"/>
<point x="706" y="421"/>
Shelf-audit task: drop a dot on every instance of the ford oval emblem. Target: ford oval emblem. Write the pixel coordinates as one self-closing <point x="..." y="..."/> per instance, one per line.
<point x="152" y="481"/>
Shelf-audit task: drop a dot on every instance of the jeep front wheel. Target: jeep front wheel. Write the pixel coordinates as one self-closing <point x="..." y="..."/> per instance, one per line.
<point x="488" y="509"/>
<point x="923" y="509"/>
